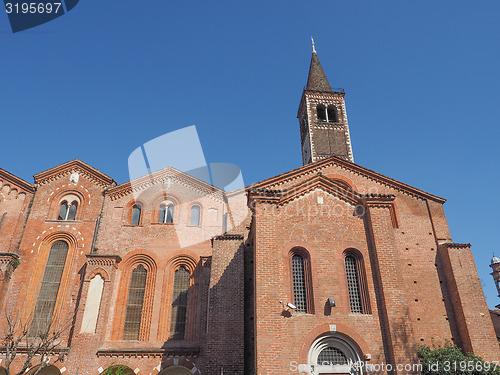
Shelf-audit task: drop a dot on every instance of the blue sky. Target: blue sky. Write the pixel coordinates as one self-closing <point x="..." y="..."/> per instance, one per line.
<point x="421" y="79"/>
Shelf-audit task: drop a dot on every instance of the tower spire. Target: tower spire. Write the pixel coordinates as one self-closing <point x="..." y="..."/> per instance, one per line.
<point x="317" y="80"/>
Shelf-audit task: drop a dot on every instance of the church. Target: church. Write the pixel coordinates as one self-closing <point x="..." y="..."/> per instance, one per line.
<point x="331" y="268"/>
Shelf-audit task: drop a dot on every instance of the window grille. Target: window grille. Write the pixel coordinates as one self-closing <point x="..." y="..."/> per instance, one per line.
<point x="135" y="301"/>
<point x="47" y="296"/>
<point x="136" y="215"/>
<point x="299" y="283"/>
<point x="195" y="216"/>
<point x="179" y="304"/>
<point x="353" y="284"/>
<point x="331" y="356"/>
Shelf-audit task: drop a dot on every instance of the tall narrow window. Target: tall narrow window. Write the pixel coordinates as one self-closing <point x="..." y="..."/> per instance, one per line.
<point x="179" y="304"/>
<point x="299" y="283"/>
<point x="72" y="210"/>
<point x="63" y="211"/>
<point x="135" y="218"/>
<point x="321" y="112"/>
<point x="47" y="296"/>
<point x="353" y="284"/>
<point x="332" y="114"/>
<point x="166" y="214"/>
<point x="224" y="223"/>
<point x="135" y="301"/>
<point x="3" y="218"/>
<point x="195" y="216"/>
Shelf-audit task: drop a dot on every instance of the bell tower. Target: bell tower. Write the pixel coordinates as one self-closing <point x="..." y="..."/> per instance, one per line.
<point x="324" y="131"/>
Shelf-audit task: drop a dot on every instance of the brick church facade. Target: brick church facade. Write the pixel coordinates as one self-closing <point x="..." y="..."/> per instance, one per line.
<point x="332" y="264"/>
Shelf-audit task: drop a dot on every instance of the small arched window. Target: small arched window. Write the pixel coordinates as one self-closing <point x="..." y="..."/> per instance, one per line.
<point x="67" y="211"/>
<point x="135" y="217"/>
<point x="166" y="214"/>
<point x="321" y="112"/>
<point x="47" y="296"/>
<point x="63" y="211"/>
<point x="195" y="216"/>
<point x="332" y="114"/>
<point x="135" y="302"/>
<point x="179" y="304"/>
<point x="299" y="283"/>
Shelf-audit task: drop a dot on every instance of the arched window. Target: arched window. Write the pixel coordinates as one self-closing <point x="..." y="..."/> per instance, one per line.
<point x="356" y="283"/>
<point x="63" y="211"/>
<point x="67" y="211"/>
<point x="321" y="112"/>
<point x="47" y="296"/>
<point x="72" y="210"/>
<point x="353" y="284"/>
<point x="195" y="216"/>
<point x="135" y="217"/>
<point x="332" y="114"/>
<point x="135" y="301"/>
<point x="299" y="283"/>
<point x="179" y="304"/>
<point x="334" y="354"/>
<point x="166" y="212"/>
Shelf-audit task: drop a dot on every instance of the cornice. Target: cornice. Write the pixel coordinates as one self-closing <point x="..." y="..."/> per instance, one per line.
<point x="17" y="181"/>
<point x="229" y="237"/>
<point x="351" y="167"/>
<point x="454" y="245"/>
<point x="149" y="352"/>
<point x="103" y="259"/>
<point x="162" y="176"/>
<point x="75" y="165"/>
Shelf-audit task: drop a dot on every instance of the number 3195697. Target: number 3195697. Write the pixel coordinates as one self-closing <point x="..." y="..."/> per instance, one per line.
<point x="32" y="7"/>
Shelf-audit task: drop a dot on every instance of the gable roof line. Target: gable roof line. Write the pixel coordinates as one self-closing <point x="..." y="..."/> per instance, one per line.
<point x="368" y="173"/>
<point x="144" y="182"/>
<point x="44" y="176"/>
<point x="13" y="179"/>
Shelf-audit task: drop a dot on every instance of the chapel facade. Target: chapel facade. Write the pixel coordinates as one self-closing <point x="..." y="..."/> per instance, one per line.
<point x="328" y="267"/>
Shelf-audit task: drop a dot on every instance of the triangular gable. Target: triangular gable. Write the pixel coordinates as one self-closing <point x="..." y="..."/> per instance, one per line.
<point x="10" y="179"/>
<point x="161" y="177"/>
<point x="72" y="166"/>
<point x="273" y="182"/>
<point x="281" y="197"/>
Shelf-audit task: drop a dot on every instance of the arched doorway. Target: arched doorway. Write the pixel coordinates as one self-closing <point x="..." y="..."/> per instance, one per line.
<point x="49" y="370"/>
<point x="175" y="370"/>
<point x="334" y="354"/>
<point x="3" y="371"/>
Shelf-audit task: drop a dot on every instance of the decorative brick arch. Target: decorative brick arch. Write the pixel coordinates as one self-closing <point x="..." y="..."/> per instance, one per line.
<point x="133" y="260"/>
<point x="341" y="330"/>
<point x="173" y="265"/>
<point x="39" y="269"/>
<point x="114" y="361"/>
<point x="177" y="361"/>
<point x="163" y="196"/>
<point x="58" y="195"/>
<point x="98" y="271"/>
